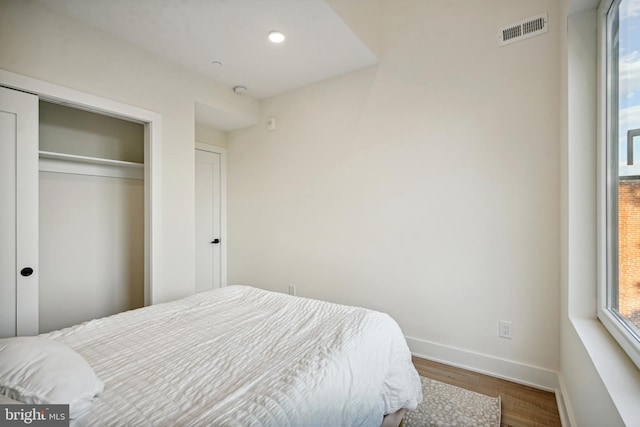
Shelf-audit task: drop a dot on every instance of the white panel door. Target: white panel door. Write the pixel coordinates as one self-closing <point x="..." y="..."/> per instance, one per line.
<point x="18" y="213"/>
<point x="208" y="221"/>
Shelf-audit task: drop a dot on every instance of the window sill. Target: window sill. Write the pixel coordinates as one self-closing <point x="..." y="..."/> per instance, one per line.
<point x="617" y="372"/>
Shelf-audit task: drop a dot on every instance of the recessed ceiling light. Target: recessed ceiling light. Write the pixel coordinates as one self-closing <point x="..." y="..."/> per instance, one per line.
<point x="276" y="36"/>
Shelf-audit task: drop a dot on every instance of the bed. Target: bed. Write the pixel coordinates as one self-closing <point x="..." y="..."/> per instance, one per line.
<point x="240" y="356"/>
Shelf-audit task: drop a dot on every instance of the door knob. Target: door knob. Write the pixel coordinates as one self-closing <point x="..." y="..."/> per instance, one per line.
<point x="215" y="241"/>
<point x="26" y="272"/>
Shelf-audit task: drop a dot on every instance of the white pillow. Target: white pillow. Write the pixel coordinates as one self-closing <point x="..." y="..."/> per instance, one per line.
<point x="37" y="370"/>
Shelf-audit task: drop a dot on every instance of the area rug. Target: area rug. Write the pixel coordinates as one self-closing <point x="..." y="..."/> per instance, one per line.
<point x="445" y="405"/>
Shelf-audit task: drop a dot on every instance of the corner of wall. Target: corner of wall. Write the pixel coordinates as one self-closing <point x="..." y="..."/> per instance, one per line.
<point x="363" y="18"/>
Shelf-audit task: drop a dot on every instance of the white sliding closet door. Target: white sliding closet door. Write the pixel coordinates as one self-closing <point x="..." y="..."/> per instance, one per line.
<point x="18" y="213"/>
<point x="208" y="221"/>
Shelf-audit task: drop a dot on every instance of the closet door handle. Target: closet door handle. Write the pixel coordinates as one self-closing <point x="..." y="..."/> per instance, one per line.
<point x="26" y="272"/>
<point x="215" y="241"/>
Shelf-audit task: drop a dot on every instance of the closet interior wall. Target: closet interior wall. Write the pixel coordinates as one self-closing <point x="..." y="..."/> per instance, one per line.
<point x="91" y="215"/>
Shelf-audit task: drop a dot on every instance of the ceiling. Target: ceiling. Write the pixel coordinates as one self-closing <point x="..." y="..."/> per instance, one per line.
<point x="197" y="33"/>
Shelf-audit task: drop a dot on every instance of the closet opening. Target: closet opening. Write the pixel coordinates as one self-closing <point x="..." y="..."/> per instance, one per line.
<point x="91" y="215"/>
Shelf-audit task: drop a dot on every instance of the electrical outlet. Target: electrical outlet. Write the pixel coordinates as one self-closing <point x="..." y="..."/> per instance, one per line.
<point x="505" y="329"/>
<point x="292" y="290"/>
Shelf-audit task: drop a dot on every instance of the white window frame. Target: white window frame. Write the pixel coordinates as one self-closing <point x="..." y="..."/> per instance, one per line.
<point x="606" y="183"/>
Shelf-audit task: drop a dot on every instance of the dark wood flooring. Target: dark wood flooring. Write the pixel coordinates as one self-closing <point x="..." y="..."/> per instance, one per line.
<point x="522" y="406"/>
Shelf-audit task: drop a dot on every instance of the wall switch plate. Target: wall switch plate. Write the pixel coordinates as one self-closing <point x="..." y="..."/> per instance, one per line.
<point x="505" y="329"/>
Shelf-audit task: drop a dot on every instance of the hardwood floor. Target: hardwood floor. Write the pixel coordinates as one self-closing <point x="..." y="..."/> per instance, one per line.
<point x="522" y="406"/>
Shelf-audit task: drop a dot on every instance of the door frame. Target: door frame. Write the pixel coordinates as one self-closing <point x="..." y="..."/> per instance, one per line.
<point x="223" y="204"/>
<point x="152" y="159"/>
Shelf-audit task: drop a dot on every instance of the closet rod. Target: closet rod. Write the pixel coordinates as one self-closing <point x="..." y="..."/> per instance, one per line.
<point x="94" y="166"/>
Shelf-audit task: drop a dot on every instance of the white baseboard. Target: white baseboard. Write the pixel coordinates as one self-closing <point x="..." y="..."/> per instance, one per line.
<point x="566" y="415"/>
<point x="533" y="376"/>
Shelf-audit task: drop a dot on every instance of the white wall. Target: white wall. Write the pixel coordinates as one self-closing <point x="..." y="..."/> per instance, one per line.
<point x="84" y="133"/>
<point x="426" y="186"/>
<point x="91" y="247"/>
<point x="48" y="46"/>
<point x="208" y="135"/>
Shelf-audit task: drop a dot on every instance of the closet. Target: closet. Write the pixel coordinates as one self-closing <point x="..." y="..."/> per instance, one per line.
<point x="91" y="215"/>
<point x="73" y="225"/>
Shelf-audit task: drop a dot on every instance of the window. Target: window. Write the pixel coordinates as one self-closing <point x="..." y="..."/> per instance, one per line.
<point x="619" y="293"/>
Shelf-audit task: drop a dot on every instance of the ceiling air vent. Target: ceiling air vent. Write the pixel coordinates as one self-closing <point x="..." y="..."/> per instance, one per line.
<point x="523" y="30"/>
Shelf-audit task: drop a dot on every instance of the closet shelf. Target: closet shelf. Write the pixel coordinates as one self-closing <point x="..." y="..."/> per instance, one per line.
<point x="86" y="159"/>
<point x="84" y="165"/>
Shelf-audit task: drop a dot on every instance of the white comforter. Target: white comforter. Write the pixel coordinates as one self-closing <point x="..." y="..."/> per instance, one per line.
<point x="240" y="356"/>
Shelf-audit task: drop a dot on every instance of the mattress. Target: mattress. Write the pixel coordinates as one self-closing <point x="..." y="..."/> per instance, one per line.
<point x="241" y="356"/>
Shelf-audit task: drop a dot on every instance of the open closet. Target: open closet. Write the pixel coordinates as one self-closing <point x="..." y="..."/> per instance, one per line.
<point x="78" y="238"/>
<point x="91" y="215"/>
